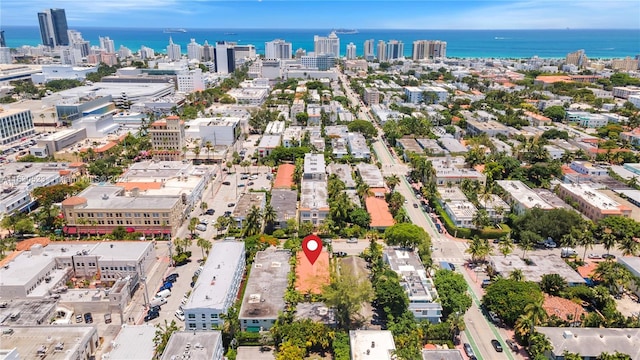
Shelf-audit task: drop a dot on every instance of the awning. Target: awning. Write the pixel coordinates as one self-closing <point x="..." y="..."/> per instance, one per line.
<point x="130" y="230"/>
<point x="70" y="230"/>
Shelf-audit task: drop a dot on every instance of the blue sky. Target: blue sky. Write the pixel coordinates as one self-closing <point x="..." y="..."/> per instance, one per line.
<point x="359" y="14"/>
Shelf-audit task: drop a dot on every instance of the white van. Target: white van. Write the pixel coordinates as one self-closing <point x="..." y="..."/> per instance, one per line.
<point x="568" y="252"/>
<point x="158" y="302"/>
<point x="201" y="227"/>
<point x="164" y="294"/>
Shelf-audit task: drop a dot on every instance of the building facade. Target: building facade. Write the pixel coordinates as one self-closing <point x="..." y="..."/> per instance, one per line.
<point x="167" y="138"/>
<point x="15" y="125"/>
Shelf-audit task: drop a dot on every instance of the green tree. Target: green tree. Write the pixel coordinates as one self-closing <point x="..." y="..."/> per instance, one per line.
<point x="479" y="249"/>
<point x="405" y="235"/>
<point x="270" y="216"/>
<point x="364" y="127"/>
<point x="253" y="222"/>
<point x="204" y="245"/>
<point x="527" y="241"/>
<point x="555" y="113"/>
<point x="346" y="294"/>
<point x="163" y="334"/>
<point x="505" y="245"/>
<point x="392" y="181"/>
<point x="508" y="298"/>
<point x="193" y="223"/>
<point x="614" y="356"/>
<point x="452" y="291"/>
<point x="516" y="275"/>
<point x="553" y="284"/>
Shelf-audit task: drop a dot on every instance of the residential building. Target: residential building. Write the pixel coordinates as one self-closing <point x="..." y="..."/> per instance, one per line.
<point x="624" y="92"/>
<point x="368" y="50"/>
<point x="224" y="58"/>
<point x="267" y="144"/>
<point x="275" y="128"/>
<point x="358" y="146"/>
<point x="168" y="138"/>
<point x="590" y="343"/>
<point x="174" y="51"/>
<point x="344" y="173"/>
<point x="64" y="342"/>
<point x="417" y="94"/>
<point x="587" y="168"/>
<point x="15" y="124"/>
<point x="495" y="207"/>
<point x="626" y="64"/>
<point x="53" y="27"/>
<point x="199" y="346"/>
<point x="378" y="210"/>
<point x="371" y="96"/>
<point x="246" y="203"/>
<point x="243" y="53"/>
<point x="381" y="51"/>
<point x="249" y="96"/>
<point x="5" y="55"/>
<point x="632" y="136"/>
<point x="370" y="175"/>
<point x="277" y="49"/>
<point x="107" y="44"/>
<point x="537" y="119"/>
<point x="577" y="58"/>
<point x="133" y="342"/>
<point x="632" y="263"/>
<point x="327" y="45"/>
<point x="264" y="294"/>
<point x="292" y="136"/>
<point x="219" y="131"/>
<point x="394" y="50"/>
<point x="461" y="213"/>
<point x="521" y="197"/>
<point x="416" y="283"/>
<point x="372" y="344"/>
<point x="194" y="50"/>
<point x="536" y="266"/>
<point x="429" y="49"/>
<point x="190" y="81"/>
<point x="491" y="128"/>
<point x="285" y="204"/>
<point x="593" y="204"/>
<point x="452" y="170"/>
<point x="217" y="286"/>
<point x="316" y="312"/>
<point x="351" y="51"/>
<point x="586" y="119"/>
<point x="440" y="354"/>
<point x="314" y="205"/>
<point x="314" y="167"/>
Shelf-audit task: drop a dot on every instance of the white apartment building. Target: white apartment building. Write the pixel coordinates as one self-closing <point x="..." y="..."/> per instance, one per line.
<point x="368" y="50"/>
<point x="206" y="346"/>
<point x="275" y="128"/>
<point x="371" y="96"/>
<point x="521" y="197"/>
<point x="314" y="205"/>
<point x="268" y="143"/>
<point x="264" y="294"/>
<point x="174" y="51"/>
<point x="107" y="44"/>
<point x="277" y="49"/>
<point x="327" y="45"/>
<point x="217" y="286"/>
<point x="351" y="51"/>
<point x="194" y="50"/>
<point x="292" y="136"/>
<point x="314" y="167"/>
<point x="415" y="94"/>
<point x="593" y="204"/>
<point x="216" y="130"/>
<point x="358" y="146"/>
<point x="15" y="124"/>
<point x="452" y="170"/>
<point x="416" y="283"/>
<point x="372" y="344"/>
<point x="249" y="96"/>
<point x="192" y="80"/>
<point x="429" y="49"/>
<point x="587" y="168"/>
<point x="461" y="213"/>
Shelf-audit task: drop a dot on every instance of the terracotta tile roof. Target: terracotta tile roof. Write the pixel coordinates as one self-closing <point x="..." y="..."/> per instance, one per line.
<point x="550" y="79"/>
<point x="128" y="186"/>
<point x="76" y="164"/>
<point x="106" y="147"/>
<point x="562" y="308"/>
<point x="284" y="177"/>
<point x="567" y="170"/>
<point x="379" y="211"/>
<point x="27" y="244"/>
<point x="311" y="278"/>
<point x="587" y="269"/>
<point x="74" y="200"/>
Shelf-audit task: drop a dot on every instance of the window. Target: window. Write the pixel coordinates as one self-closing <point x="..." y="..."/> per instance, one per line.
<point x="191" y="316"/>
<point x="214" y="316"/>
<point x="255" y="321"/>
<point x="204" y="316"/>
<point x="192" y="326"/>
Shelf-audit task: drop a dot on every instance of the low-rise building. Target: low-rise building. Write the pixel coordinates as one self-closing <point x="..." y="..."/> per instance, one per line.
<point x="15" y="124"/>
<point x="249" y="96"/>
<point x="452" y="170"/>
<point x="264" y="293"/>
<point x="292" y="136"/>
<point x="430" y="146"/>
<point x="416" y="283"/>
<point x="314" y="167"/>
<point x="217" y="286"/>
<point x="409" y="146"/>
<point x="495" y="207"/>
<point x="371" y="96"/>
<point x="314" y="111"/>
<point x="536" y="267"/>
<point x="452" y="145"/>
<point x="245" y="205"/>
<point x="167" y="138"/>
<point x="440" y="354"/>
<point x="314" y="206"/>
<point x="275" y="128"/>
<point x="134" y="342"/>
<point x="358" y="146"/>
<point x="521" y="197"/>
<point x="372" y="344"/>
<point x="592" y="203"/>
<point x="451" y="194"/>
<point x="285" y="203"/>
<point x="64" y="342"/>
<point x="316" y="311"/>
<point x="461" y="213"/>
<point x="344" y="173"/>
<point x="587" y="168"/>
<point x="632" y="263"/>
<point x="267" y="144"/>
<point x="50" y="144"/>
<point x="194" y="346"/>
<point x="590" y="343"/>
<point x="215" y="130"/>
<point x="537" y="119"/>
<point x="370" y="175"/>
<point x="491" y="128"/>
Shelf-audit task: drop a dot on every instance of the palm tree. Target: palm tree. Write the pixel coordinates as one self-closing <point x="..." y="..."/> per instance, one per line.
<point x="629" y="246"/>
<point x="204" y="245"/>
<point x="209" y="146"/>
<point x="163" y="334"/>
<point x="481" y="219"/>
<point x="527" y="240"/>
<point x="363" y="190"/>
<point x="586" y="240"/>
<point x="269" y="215"/>
<point x="613" y="275"/>
<point x="193" y="223"/>
<point x="392" y="181"/>
<point x="535" y="310"/>
<point x="196" y="150"/>
<point x="479" y="249"/>
<point x="253" y="222"/>
<point x="456" y="324"/>
<point x="516" y="275"/>
<point x="608" y="239"/>
<point x="524" y="327"/>
<point x="203" y="206"/>
<point x="505" y="245"/>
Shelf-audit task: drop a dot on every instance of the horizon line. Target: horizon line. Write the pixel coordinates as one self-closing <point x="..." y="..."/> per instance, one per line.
<point x="320" y="28"/>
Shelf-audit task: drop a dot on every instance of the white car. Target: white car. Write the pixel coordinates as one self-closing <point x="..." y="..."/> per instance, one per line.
<point x="594" y="256"/>
<point x="180" y="315"/>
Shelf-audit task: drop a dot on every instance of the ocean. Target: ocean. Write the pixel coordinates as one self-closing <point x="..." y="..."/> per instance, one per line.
<point x="460" y="43"/>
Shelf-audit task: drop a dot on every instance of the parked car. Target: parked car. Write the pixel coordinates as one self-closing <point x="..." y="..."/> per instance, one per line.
<point x="227" y="213"/>
<point x="494" y="317"/>
<point x="512" y="345"/>
<point x="608" y="256"/>
<point x="107" y="318"/>
<point x="163" y="293"/>
<point x="204" y="221"/>
<point x="567" y="252"/>
<point x="152" y="315"/>
<point x="250" y="183"/>
<point x="231" y="204"/>
<point x="210" y="212"/>
<point x="415" y="205"/>
<point x="468" y="350"/>
<point x="352" y="240"/>
<point x="226" y="183"/>
<point x="88" y="318"/>
<point x="156" y="308"/>
<point x="78" y="318"/>
<point x="594" y="256"/>
<point x="240" y="185"/>
<point x="453" y="267"/>
<point x="8" y="331"/>
<point x="201" y="227"/>
<point x="244" y="177"/>
<point x="339" y="254"/>
<point x="180" y="315"/>
<point x="496" y="345"/>
<point x="171" y="278"/>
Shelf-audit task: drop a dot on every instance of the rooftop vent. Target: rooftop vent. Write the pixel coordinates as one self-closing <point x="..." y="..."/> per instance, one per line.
<point x="567" y="334"/>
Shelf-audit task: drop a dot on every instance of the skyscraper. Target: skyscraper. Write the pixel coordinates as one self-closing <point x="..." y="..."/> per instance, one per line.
<point x="78" y="43"/>
<point x="194" y="50"/>
<point x="351" y="51"/>
<point x="395" y="50"/>
<point x="277" y="49"/>
<point x="382" y="51"/>
<point x="2" y="41"/>
<point x="224" y="56"/>
<point x="368" y="50"/>
<point x="578" y="58"/>
<point x="207" y="51"/>
<point x="429" y="49"/>
<point x="174" y="52"/>
<point x="53" y="27"/>
<point x="327" y="45"/>
<point x="107" y="44"/>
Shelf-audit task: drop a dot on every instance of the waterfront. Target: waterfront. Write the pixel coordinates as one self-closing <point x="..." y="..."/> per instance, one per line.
<point x="460" y="43"/>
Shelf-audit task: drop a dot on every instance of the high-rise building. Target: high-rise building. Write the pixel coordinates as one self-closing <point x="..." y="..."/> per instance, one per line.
<point x="15" y="124"/>
<point x="351" y="51"/>
<point x="107" y="44"/>
<point x="626" y="64"/>
<point x="194" y="50"/>
<point x="207" y="51"/>
<point x="224" y="58"/>
<point x="146" y="53"/>
<point x="300" y="53"/>
<point x="277" y="49"/>
<point x="77" y="42"/>
<point x="368" y="50"/>
<point x="53" y="27"/>
<point x="395" y="50"/>
<point x="5" y="55"/>
<point x="382" y="51"/>
<point x="327" y="45"/>
<point x="124" y="52"/>
<point x="429" y="49"/>
<point x="174" y="52"/>
<point x="578" y="58"/>
<point x="244" y="52"/>
<point x="2" y="41"/>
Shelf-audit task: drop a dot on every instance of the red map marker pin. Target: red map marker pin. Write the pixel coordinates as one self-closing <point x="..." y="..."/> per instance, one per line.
<point x="312" y="247"/>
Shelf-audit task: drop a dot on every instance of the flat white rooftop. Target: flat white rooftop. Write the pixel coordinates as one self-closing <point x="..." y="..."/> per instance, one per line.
<point x="134" y="342"/>
<point x="592" y="196"/>
<point x="28" y="340"/>
<point x="523" y="194"/>
<point x="212" y="287"/>
<point x="371" y="344"/>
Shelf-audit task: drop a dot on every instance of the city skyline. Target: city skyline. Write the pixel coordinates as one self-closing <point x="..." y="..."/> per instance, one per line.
<point x="271" y="14"/>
